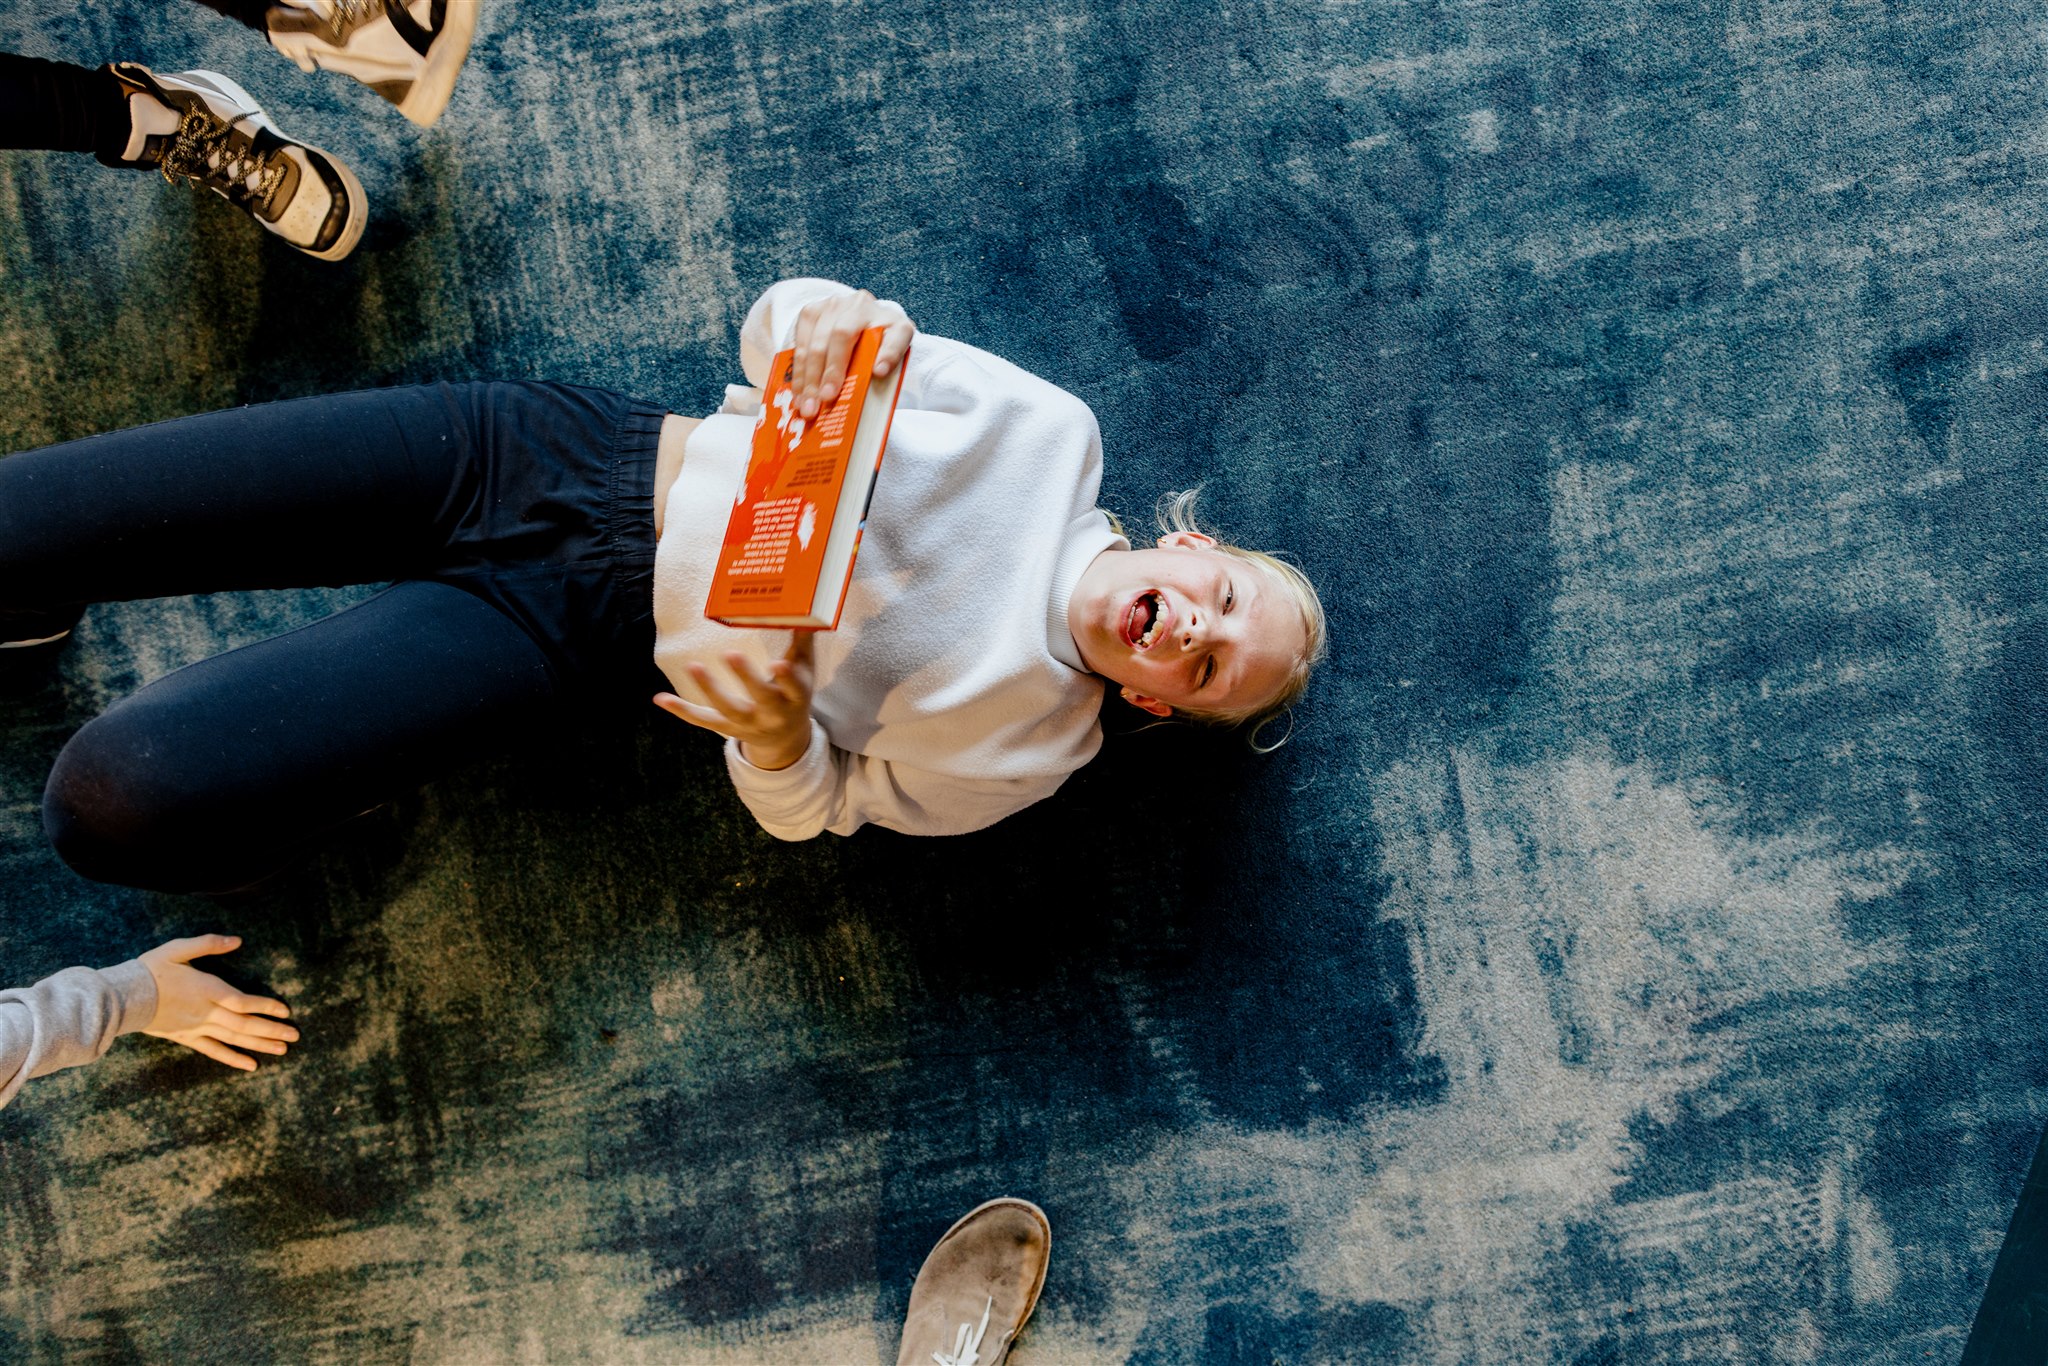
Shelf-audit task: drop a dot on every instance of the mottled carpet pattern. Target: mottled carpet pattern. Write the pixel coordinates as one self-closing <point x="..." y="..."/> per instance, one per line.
<point x="1636" y="956"/>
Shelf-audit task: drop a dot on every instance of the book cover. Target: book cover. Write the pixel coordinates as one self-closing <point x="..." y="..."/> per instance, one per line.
<point x="796" y="520"/>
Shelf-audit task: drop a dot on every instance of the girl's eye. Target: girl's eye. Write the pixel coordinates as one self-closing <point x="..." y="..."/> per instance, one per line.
<point x="1229" y="596"/>
<point x="1208" y="671"/>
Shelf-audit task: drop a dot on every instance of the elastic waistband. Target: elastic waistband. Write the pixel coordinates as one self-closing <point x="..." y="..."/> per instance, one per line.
<point x="636" y="448"/>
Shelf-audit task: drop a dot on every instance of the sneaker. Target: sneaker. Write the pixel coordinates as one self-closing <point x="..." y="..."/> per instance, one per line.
<point x="226" y="143"/>
<point x="977" y="1287"/>
<point x="408" y="51"/>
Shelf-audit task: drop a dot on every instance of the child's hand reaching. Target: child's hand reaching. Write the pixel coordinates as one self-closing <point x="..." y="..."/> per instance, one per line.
<point x="826" y="332"/>
<point x="205" y="1014"/>
<point x="772" y="721"/>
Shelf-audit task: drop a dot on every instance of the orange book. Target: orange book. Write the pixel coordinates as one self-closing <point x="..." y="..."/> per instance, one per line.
<point x="796" y="523"/>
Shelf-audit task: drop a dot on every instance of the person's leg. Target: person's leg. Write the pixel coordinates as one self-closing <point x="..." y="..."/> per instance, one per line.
<point x="58" y="107"/>
<point x="340" y="489"/>
<point x="218" y="775"/>
<point x="531" y="507"/>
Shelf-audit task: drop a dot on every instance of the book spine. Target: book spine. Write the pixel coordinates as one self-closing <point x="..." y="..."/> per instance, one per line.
<point x="874" y="481"/>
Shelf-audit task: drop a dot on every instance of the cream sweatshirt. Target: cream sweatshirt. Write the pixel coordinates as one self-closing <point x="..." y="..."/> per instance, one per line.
<point x="70" y="1018"/>
<point x="952" y="693"/>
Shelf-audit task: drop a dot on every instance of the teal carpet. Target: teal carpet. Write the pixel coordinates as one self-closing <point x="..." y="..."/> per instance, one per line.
<point x="1640" y="953"/>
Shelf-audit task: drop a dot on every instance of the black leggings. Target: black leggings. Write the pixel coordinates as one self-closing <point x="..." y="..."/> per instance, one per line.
<point x="517" y="517"/>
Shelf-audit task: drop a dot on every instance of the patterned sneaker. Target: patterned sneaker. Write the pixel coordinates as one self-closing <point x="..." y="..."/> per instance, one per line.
<point x="408" y="51"/>
<point x="224" y="142"/>
<point x="984" y="1274"/>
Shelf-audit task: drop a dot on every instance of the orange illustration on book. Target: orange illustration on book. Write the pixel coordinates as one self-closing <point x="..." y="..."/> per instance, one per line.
<point x="796" y="522"/>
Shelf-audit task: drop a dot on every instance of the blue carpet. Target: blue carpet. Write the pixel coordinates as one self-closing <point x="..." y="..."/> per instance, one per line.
<point x="1637" y="956"/>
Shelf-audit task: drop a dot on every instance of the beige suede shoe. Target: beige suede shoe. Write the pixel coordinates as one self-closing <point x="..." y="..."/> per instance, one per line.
<point x="977" y="1287"/>
<point x="408" y="51"/>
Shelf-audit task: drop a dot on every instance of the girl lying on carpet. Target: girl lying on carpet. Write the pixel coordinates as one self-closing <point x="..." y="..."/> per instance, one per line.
<point x="73" y="1017"/>
<point x="550" y="541"/>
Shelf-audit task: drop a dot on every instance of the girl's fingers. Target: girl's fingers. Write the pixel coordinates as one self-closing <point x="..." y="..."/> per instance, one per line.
<point x="813" y="357"/>
<point x="773" y="695"/>
<point x="199" y="946"/>
<point x="199" y="1043"/>
<point x="855" y="316"/>
<point x="895" y="342"/>
<point x="824" y="339"/>
<point x="784" y="690"/>
<point x="691" y="712"/>
<point x="800" y="377"/>
<point x="246" y="1031"/>
<point x="772" y="689"/>
<point x="253" y="1005"/>
<point x="717" y="726"/>
<point x="702" y="717"/>
<point x="235" y="1038"/>
<point x="769" y="693"/>
<point x="778" y="690"/>
<point x="253" y="1025"/>
<point x="715" y="696"/>
<point x="795" y="669"/>
<point x="838" y="351"/>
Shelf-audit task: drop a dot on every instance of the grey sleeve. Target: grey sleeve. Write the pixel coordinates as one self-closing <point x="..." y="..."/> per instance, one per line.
<point x="69" y="1019"/>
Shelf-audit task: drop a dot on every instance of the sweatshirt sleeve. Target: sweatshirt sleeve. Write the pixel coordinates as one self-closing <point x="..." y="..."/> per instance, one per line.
<point x="832" y="789"/>
<point x="70" y="1019"/>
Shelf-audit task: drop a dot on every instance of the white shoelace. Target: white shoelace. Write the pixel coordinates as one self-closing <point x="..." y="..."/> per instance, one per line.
<point x="967" y="1347"/>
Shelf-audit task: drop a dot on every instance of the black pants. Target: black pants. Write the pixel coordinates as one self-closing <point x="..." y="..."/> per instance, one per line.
<point x="58" y="107"/>
<point x="517" y="518"/>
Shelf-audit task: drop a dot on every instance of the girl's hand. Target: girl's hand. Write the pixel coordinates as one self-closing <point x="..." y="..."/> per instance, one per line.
<point x="772" y="721"/>
<point x="205" y="1014"/>
<point x="825" y="335"/>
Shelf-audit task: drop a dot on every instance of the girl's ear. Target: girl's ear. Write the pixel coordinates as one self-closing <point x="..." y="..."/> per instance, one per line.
<point x="1144" y="703"/>
<point x="1186" y="540"/>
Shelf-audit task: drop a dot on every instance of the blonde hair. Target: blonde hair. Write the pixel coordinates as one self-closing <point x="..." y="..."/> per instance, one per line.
<point x="1176" y="512"/>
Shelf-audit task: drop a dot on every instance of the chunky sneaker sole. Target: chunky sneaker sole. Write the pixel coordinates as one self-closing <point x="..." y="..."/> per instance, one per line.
<point x="225" y="142"/>
<point x="408" y="51"/>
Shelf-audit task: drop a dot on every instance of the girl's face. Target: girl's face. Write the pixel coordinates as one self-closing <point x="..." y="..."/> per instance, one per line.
<point x="1184" y="626"/>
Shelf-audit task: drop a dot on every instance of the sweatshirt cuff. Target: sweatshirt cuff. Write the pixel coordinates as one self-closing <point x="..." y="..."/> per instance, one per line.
<point x="135" y="989"/>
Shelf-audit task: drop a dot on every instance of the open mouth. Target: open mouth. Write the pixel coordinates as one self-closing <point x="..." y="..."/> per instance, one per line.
<point x="1145" y="620"/>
